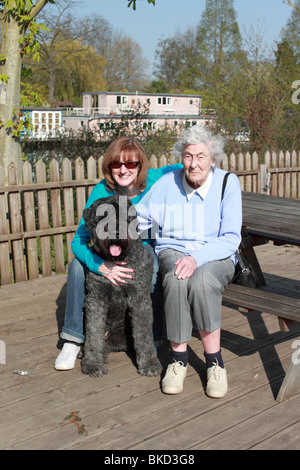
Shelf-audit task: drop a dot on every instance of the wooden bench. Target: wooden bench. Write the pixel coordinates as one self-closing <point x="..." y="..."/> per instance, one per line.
<point x="287" y="309"/>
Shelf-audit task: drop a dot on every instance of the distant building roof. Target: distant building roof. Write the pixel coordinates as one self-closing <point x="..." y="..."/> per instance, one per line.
<point x="136" y="93"/>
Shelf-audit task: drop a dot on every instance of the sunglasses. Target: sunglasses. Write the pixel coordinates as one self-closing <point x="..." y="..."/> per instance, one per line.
<point x="129" y="165"/>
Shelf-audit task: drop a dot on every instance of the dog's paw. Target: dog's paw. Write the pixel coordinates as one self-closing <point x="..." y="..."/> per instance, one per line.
<point x="94" y="370"/>
<point x="151" y="368"/>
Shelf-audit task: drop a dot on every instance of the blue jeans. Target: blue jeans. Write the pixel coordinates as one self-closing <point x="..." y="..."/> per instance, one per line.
<point x="73" y="329"/>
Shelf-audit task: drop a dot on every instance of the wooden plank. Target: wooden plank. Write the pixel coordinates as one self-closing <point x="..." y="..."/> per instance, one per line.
<point x="247" y="434"/>
<point x="29" y="218"/>
<point x="47" y="185"/>
<point x="283" y="238"/>
<point x="275" y="215"/>
<point x="80" y="191"/>
<point x="294" y="175"/>
<point x="182" y="429"/>
<point x="43" y="218"/>
<point x="123" y="409"/>
<point x="272" y="214"/>
<point x="91" y="172"/>
<point x="260" y="199"/>
<point x="68" y="206"/>
<point x="248" y="179"/>
<point x="57" y="219"/>
<point x="263" y="295"/>
<point x="267" y="302"/>
<point x="274" y="179"/>
<point x="285" y="439"/>
<point x="5" y="264"/>
<point x="38" y="233"/>
<point x="16" y="225"/>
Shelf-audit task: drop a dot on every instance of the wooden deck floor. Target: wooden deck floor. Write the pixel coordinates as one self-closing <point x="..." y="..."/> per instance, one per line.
<point x="126" y="411"/>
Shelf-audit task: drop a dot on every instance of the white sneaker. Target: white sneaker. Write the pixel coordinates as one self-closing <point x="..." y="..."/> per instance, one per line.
<point x="67" y="357"/>
<point x="172" y="382"/>
<point x="216" y="382"/>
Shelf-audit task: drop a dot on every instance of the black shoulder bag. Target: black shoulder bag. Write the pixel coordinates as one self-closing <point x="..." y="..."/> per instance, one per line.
<point x="243" y="274"/>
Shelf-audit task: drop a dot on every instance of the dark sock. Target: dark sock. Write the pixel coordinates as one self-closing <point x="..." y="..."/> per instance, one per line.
<point x="212" y="359"/>
<point x="179" y="357"/>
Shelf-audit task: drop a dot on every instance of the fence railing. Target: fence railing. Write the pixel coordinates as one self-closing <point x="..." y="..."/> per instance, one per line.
<point x="38" y="218"/>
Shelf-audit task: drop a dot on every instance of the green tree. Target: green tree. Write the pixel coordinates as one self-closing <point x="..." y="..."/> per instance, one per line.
<point x="158" y="86"/>
<point x="125" y="64"/>
<point x="18" y="32"/>
<point x="241" y="98"/>
<point x="286" y="72"/>
<point x="219" y="41"/>
<point x="64" y="56"/>
<point x="177" y="60"/>
<point x="18" y="37"/>
<point x="291" y="32"/>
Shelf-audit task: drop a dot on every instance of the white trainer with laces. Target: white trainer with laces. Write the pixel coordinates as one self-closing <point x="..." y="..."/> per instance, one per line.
<point x="67" y="357"/>
<point x="217" y="385"/>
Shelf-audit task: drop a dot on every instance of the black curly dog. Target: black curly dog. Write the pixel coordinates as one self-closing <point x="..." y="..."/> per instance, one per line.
<point x="116" y="315"/>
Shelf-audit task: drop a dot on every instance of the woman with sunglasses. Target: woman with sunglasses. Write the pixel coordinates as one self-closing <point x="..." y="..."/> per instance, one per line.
<point x="126" y="172"/>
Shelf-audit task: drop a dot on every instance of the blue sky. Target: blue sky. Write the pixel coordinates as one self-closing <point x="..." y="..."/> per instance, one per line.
<point x="150" y="23"/>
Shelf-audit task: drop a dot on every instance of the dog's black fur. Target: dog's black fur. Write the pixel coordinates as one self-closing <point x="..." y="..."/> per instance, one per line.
<point x="117" y="314"/>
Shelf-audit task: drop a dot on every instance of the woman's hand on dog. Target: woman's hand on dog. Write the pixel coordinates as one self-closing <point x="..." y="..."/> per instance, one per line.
<point x="116" y="272"/>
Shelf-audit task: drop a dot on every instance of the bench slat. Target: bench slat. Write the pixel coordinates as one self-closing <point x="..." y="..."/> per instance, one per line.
<point x="256" y="299"/>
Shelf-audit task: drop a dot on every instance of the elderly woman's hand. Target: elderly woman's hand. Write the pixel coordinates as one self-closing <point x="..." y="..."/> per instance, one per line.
<point x="116" y="273"/>
<point x="185" y="267"/>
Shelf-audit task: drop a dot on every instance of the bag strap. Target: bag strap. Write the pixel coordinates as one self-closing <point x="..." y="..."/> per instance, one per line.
<point x="237" y="253"/>
<point x="224" y="183"/>
<point x="241" y="261"/>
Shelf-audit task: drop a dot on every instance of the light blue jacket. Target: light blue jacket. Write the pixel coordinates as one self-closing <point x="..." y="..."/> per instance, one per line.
<point x="207" y="228"/>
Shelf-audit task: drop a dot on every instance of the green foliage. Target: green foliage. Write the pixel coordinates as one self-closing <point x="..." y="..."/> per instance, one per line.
<point x="133" y="3"/>
<point x="21" y="11"/>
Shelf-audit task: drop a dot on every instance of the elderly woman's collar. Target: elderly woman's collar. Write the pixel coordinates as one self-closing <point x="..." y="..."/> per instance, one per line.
<point x="202" y="190"/>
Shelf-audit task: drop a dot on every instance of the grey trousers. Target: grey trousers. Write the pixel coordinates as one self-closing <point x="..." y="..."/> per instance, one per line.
<point x="196" y="300"/>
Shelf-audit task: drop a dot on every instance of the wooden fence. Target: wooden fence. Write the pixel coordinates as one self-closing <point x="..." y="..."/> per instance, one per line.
<point x="38" y="218"/>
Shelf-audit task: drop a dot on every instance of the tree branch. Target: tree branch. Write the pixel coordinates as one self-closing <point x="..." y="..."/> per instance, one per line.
<point x="293" y="5"/>
<point x="38" y="7"/>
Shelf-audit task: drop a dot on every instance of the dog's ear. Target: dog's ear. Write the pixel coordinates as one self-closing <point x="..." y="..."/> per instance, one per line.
<point x="131" y="212"/>
<point x="89" y="215"/>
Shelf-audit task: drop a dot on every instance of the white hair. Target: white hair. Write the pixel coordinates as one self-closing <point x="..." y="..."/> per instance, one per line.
<point x="200" y="135"/>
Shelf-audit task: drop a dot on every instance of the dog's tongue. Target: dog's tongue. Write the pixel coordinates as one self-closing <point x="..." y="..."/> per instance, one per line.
<point x="115" y="250"/>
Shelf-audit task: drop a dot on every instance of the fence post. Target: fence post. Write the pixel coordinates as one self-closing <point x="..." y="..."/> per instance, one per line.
<point x="264" y="180"/>
<point x="57" y="218"/>
<point x="16" y="224"/>
<point x="43" y="218"/>
<point x="153" y="161"/>
<point x="5" y="264"/>
<point x="30" y="225"/>
<point x="68" y="205"/>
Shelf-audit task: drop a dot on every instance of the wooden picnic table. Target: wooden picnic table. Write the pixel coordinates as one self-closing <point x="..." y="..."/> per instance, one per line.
<point x="272" y="218"/>
<point x="269" y="218"/>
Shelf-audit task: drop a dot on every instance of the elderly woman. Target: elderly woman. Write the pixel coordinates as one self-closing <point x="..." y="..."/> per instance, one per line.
<point x="197" y="233"/>
<point x="126" y="172"/>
